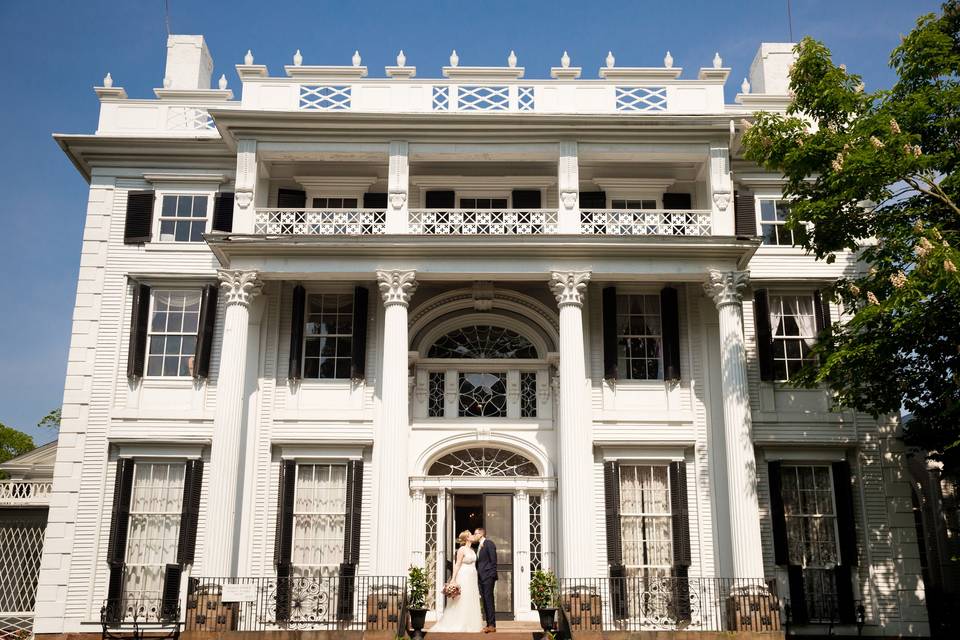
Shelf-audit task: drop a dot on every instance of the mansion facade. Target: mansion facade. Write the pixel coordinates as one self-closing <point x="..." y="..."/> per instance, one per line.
<point x="322" y="328"/>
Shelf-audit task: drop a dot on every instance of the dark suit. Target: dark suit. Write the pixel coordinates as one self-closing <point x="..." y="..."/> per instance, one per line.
<point x="487" y="576"/>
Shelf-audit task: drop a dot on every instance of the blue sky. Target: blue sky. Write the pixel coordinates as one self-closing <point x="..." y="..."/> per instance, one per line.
<point x="55" y="51"/>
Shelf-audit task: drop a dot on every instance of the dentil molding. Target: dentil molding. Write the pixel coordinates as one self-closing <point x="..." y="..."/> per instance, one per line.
<point x="726" y="287"/>
<point x="569" y="287"/>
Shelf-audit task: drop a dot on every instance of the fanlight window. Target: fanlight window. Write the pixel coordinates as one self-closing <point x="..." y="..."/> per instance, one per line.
<point x="484" y="463"/>
<point x="483" y="342"/>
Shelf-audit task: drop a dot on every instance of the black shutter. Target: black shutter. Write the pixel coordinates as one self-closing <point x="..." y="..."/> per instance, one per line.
<point x="821" y="311"/>
<point x="291" y="199"/>
<point x="120" y="518"/>
<point x="680" y="513"/>
<point x="374" y="201"/>
<point x="170" y="600"/>
<point x="351" y="540"/>
<point x="223" y="212"/>
<point x="113" y="609"/>
<point x="208" y="321"/>
<point x="441" y="200"/>
<point x="677" y="201"/>
<point x="610" y="333"/>
<point x="798" y="596"/>
<point x="283" y="592"/>
<point x="611" y="496"/>
<point x="593" y="200"/>
<point x="846" y="522"/>
<point x="283" y="543"/>
<point x="744" y="213"/>
<point x="670" y="327"/>
<point x="295" y="370"/>
<point x="681" y="593"/>
<point x="761" y="318"/>
<point x="138" y="226"/>
<point x="358" y="351"/>
<point x="190" y="512"/>
<point x="781" y="553"/>
<point x="526" y="199"/>
<point x="139" y="321"/>
<point x="846" y="609"/>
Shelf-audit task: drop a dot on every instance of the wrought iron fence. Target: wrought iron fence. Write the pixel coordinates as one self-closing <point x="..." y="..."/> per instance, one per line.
<point x="647" y="603"/>
<point x="357" y="603"/>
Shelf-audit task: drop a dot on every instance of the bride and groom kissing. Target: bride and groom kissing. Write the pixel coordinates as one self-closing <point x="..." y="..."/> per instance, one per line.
<point x="475" y="574"/>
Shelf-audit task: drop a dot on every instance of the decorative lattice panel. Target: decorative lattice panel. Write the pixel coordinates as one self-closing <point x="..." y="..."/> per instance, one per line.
<point x="441" y="98"/>
<point x="435" y="394"/>
<point x="641" y="98"/>
<point x="189" y="119"/>
<point x="21" y="545"/>
<point x="483" y="462"/>
<point x="536" y="533"/>
<point x="324" y="97"/>
<point x="483" y="222"/>
<point x="483" y="98"/>
<point x="528" y="394"/>
<point x="430" y="531"/>
<point x="320" y="222"/>
<point x="525" y="100"/>
<point x="645" y="222"/>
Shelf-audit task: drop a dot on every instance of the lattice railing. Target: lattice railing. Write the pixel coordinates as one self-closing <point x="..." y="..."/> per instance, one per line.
<point x="641" y="99"/>
<point x="645" y="222"/>
<point x="483" y="98"/>
<point x="483" y="222"/>
<point x="25" y="492"/>
<point x="189" y="119"/>
<point x="320" y="222"/>
<point x="325" y="97"/>
<point x="21" y="546"/>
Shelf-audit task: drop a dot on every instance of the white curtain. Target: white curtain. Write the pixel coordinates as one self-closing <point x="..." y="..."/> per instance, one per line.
<point x="776" y="314"/>
<point x="155" y="506"/>
<point x="319" y="518"/>
<point x="645" y="516"/>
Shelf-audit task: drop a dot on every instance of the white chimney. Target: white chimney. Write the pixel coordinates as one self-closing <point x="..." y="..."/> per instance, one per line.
<point x="770" y="69"/>
<point x="189" y="65"/>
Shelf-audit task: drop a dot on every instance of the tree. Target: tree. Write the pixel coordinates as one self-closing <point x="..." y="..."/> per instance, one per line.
<point x="881" y="166"/>
<point x="51" y="420"/>
<point x="13" y="443"/>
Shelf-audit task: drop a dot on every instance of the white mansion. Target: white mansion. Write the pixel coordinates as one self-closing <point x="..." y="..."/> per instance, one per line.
<point x="321" y="328"/>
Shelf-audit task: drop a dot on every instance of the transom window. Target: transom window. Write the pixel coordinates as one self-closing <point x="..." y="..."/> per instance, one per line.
<point x="483" y="203"/>
<point x="334" y="203"/>
<point x="482" y="395"/>
<point x="319" y="518"/>
<point x="645" y="520"/>
<point x="481" y="343"/>
<point x="172" y="338"/>
<point x="183" y="218"/>
<point x="794" y="328"/>
<point x="639" y="203"/>
<point x="639" y="337"/>
<point x="483" y="462"/>
<point x="328" y="336"/>
<point x="155" y="506"/>
<point x="773" y="217"/>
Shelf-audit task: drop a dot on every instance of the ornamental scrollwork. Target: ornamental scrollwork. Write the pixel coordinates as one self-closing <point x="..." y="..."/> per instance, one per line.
<point x="397" y="287"/>
<point x="569" y="287"/>
<point x="240" y="287"/>
<point x="726" y="287"/>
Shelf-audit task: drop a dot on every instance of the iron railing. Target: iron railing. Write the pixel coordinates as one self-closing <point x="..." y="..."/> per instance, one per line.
<point x="353" y="603"/>
<point x="649" y="603"/>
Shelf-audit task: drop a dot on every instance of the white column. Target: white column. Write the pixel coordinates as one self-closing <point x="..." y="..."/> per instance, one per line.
<point x="721" y="191"/>
<point x="725" y="288"/>
<point x="574" y="433"/>
<point x="441" y="574"/>
<point x="398" y="188"/>
<point x="245" y="189"/>
<point x="521" y="550"/>
<point x="226" y="463"/>
<point x="547" y="528"/>
<point x="390" y="447"/>
<point x="418" y="520"/>
<point x="568" y="185"/>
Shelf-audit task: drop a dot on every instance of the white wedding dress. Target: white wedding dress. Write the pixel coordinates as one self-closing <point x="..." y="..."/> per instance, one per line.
<point x="462" y="614"/>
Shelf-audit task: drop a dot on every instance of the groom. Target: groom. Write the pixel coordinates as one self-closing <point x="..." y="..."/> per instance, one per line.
<point x="487" y="576"/>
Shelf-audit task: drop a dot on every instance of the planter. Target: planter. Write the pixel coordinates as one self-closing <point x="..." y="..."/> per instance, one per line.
<point x="548" y="618"/>
<point x="418" y="618"/>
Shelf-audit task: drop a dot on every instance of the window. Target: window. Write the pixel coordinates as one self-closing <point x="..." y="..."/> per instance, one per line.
<point x="794" y="329"/>
<point x="183" y="218"/>
<point x="645" y="520"/>
<point x="646" y="203"/>
<point x="155" y="506"/>
<point x="319" y="518"/>
<point x="639" y="338"/>
<point x="482" y="342"/>
<point x="329" y="336"/>
<point x="773" y="216"/>
<point x="483" y="203"/>
<point x="174" y="320"/>
<point x="436" y="396"/>
<point x="483" y="395"/>
<point x="528" y="394"/>
<point x="334" y="203"/>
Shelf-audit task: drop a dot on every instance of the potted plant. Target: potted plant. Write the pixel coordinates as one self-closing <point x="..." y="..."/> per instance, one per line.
<point x="417" y="599"/>
<point x="543" y="597"/>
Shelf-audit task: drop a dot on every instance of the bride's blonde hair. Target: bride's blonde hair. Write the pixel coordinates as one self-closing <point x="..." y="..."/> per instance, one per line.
<point x="464" y="538"/>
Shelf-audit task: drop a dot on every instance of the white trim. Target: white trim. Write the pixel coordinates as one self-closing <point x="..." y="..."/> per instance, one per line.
<point x="171" y="191"/>
<point x="323" y="453"/>
<point x="145" y="451"/>
<point x="495" y="439"/>
<point x="195" y="179"/>
<point x="640" y="454"/>
<point x="804" y="455"/>
<point x="482" y="319"/>
<point x="468" y="183"/>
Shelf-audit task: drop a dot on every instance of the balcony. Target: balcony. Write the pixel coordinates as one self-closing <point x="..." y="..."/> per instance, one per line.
<point x="18" y="493"/>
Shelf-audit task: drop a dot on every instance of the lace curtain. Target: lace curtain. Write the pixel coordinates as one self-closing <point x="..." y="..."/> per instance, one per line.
<point x="155" y="505"/>
<point x="319" y="515"/>
<point x="645" y="519"/>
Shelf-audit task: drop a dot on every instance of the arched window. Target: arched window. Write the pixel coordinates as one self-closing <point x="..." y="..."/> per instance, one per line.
<point x="483" y="342"/>
<point x="483" y="462"/>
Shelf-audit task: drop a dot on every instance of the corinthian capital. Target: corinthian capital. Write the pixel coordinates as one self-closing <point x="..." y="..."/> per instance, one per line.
<point x="726" y="287"/>
<point x="240" y="287"/>
<point x="397" y="287"/>
<point x="569" y="287"/>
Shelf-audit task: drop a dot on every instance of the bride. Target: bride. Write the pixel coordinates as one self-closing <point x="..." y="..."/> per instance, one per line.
<point x="462" y="614"/>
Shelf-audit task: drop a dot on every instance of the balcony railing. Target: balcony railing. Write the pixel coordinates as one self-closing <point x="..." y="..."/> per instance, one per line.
<point x="320" y="222"/>
<point x="645" y="222"/>
<point x="25" y="492"/>
<point x="483" y="222"/>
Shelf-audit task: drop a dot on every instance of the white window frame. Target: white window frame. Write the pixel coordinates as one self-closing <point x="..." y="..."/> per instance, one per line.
<point x="775" y="198"/>
<point x="483" y="194"/>
<point x="656" y="198"/>
<point x="306" y="336"/>
<point x="158" y="213"/>
<point x="790" y="368"/>
<point x="151" y="333"/>
<point x="333" y="568"/>
<point x="627" y="375"/>
<point x="352" y="196"/>
<point x="639" y="515"/>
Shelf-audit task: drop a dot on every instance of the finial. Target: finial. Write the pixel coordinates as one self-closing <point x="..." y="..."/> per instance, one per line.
<point x="745" y="86"/>
<point x="166" y="82"/>
<point x="717" y="60"/>
<point x="222" y="82"/>
<point x="356" y="58"/>
<point x="512" y="59"/>
<point x="454" y="58"/>
<point x="108" y="80"/>
<point x="610" y="60"/>
<point x="401" y="59"/>
<point x="297" y="58"/>
<point x="668" y="60"/>
<point x="248" y="59"/>
<point x="565" y="60"/>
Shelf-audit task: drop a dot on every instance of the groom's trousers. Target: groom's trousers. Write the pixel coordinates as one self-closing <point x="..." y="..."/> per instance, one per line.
<point x="486" y="594"/>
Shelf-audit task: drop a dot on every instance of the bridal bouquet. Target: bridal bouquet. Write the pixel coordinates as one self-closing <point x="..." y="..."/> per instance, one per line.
<point x="451" y="590"/>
